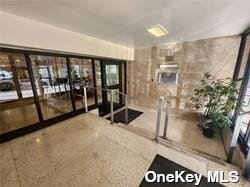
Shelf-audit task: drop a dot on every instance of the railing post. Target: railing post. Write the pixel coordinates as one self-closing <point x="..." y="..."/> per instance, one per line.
<point x="126" y="109"/>
<point x="166" y="121"/>
<point x="85" y="98"/>
<point x="158" y="123"/>
<point x="234" y="140"/>
<point x="111" y="107"/>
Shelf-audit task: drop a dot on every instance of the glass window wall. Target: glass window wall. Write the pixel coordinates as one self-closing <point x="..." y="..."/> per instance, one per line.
<point x="82" y="75"/>
<point x="18" y="108"/>
<point x="243" y="116"/>
<point x="56" y="81"/>
<point x="52" y="84"/>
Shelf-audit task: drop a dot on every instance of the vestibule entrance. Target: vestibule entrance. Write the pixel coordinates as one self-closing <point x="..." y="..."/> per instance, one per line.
<point x="112" y="78"/>
<point x="40" y="88"/>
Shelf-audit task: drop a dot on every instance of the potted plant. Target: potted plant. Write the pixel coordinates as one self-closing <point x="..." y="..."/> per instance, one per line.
<point x="217" y="98"/>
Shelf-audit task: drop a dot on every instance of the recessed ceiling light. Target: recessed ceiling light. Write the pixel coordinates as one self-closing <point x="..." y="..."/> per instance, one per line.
<point x="158" y="31"/>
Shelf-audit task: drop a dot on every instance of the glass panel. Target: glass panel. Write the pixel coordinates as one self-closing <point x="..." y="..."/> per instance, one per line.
<point x="98" y="80"/>
<point x="23" y="76"/>
<point x="7" y="85"/>
<point x="115" y="96"/>
<point x="243" y="62"/>
<point x="17" y="102"/>
<point x="52" y="85"/>
<point x="81" y="74"/>
<point x="244" y="57"/>
<point x="244" y="116"/>
<point x="112" y="74"/>
<point x="123" y="81"/>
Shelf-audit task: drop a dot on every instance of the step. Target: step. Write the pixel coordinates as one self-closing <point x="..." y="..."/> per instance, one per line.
<point x="185" y="149"/>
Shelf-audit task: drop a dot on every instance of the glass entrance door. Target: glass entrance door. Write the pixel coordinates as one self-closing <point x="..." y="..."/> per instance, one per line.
<point x="111" y="79"/>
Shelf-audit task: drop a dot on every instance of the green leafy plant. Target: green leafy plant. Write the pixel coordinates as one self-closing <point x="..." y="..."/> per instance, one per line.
<point x="216" y="98"/>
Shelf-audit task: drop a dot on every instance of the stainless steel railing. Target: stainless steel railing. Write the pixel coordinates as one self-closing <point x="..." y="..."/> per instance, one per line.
<point x="163" y="106"/>
<point x="111" y="101"/>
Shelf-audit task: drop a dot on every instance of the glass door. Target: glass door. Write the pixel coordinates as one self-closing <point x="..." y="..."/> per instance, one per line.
<point x="82" y="75"/>
<point x="111" y="79"/>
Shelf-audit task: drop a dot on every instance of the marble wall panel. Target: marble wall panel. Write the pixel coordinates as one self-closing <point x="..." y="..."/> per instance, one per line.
<point x="217" y="55"/>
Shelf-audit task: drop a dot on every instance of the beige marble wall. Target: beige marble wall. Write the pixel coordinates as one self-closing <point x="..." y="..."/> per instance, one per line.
<point x="217" y="56"/>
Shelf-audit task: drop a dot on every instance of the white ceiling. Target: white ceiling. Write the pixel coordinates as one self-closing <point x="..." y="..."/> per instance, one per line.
<point x="124" y="22"/>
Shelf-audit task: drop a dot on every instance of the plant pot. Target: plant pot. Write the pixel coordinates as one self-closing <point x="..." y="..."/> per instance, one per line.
<point x="208" y="132"/>
<point x="203" y="120"/>
<point x="205" y="125"/>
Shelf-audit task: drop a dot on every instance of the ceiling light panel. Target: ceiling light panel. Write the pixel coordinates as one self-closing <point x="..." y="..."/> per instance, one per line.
<point x="157" y="31"/>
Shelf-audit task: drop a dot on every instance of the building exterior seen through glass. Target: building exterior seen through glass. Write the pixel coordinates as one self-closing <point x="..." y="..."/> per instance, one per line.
<point x="52" y="84"/>
<point x="16" y="96"/>
<point x="82" y="75"/>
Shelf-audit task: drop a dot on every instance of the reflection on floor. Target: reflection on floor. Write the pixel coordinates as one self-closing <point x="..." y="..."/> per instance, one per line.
<point x="24" y="115"/>
<point x="87" y="151"/>
<point x="182" y="128"/>
<point x="80" y="104"/>
<point x="16" y="118"/>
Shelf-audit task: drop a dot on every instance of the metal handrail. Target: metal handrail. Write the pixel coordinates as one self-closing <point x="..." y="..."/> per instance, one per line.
<point x="106" y="89"/>
<point x="111" y="101"/>
<point x="161" y="107"/>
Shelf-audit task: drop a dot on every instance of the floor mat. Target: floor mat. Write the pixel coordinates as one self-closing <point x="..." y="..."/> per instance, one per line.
<point x="161" y="165"/>
<point x="120" y="116"/>
<point x="105" y="109"/>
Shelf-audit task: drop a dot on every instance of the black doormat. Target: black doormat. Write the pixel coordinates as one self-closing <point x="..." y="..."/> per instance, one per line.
<point x="161" y="165"/>
<point x="105" y="109"/>
<point x="120" y="116"/>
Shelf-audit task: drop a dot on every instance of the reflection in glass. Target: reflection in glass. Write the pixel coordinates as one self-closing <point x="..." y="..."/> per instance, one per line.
<point x="23" y="76"/>
<point x="244" y="117"/>
<point x="82" y="75"/>
<point x="17" y="102"/>
<point x="98" y="80"/>
<point x="52" y="84"/>
<point x="115" y="96"/>
<point x="7" y="85"/>
<point x="112" y="74"/>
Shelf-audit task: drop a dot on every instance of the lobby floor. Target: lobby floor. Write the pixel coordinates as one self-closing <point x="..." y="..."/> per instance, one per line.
<point x="87" y="151"/>
<point x="182" y="129"/>
<point x="26" y="114"/>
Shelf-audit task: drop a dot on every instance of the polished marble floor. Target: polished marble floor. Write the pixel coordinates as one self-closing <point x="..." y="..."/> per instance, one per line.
<point x="87" y="151"/>
<point x="26" y="114"/>
<point x="182" y="128"/>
